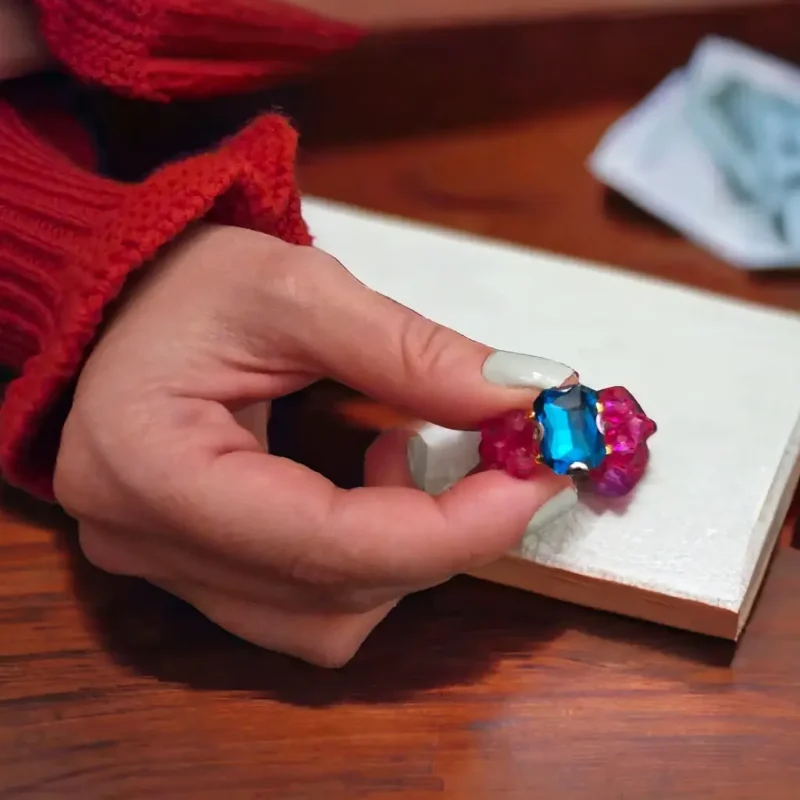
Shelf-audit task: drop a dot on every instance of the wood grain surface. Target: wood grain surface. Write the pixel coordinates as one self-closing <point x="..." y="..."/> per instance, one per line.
<point x="111" y="689"/>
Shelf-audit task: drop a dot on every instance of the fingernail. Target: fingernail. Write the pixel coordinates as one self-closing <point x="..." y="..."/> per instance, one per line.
<point x="554" y="508"/>
<point x="517" y="370"/>
<point x="439" y="457"/>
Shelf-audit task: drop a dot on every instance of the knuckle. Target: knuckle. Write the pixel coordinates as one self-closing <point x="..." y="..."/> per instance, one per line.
<point x="98" y="551"/>
<point x="70" y="485"/>
<point x="424" y="346"/>
<point x="289" y="282"/>
<point x="309" y="571"/>
<point x="342" y="641"/>
<point x="334" y="651"/>
<point x="364" y="601"/>
<point x="294" y="272"/>
<point x="62" y="489"/>
<point x="355" y="603"/>
<point x="336" y="588"/>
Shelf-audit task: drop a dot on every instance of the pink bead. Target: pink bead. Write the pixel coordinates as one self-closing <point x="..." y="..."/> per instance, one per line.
<point x="626" y="426"/>
<point x="626" y="430"/>
<point x="619" y="474"/>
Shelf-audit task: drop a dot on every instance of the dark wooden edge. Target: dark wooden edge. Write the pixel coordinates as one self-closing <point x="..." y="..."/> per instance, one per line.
<point x="417" y="82"/>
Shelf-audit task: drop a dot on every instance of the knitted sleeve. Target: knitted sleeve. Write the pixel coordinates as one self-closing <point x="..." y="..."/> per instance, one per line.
<point x="69" y="240"/>
<point x="183" y="49"/>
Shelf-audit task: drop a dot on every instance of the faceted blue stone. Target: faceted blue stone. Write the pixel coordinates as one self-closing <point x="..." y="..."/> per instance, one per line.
<point x="569" y="428"/>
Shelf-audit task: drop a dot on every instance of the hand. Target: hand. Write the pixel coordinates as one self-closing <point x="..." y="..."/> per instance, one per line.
<point x="22" y="49"/>
<point x="165" y="465"/>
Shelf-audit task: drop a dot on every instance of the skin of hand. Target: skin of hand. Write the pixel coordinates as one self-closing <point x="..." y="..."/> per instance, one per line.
<point x="166" y="468"/>
<point x="22" y="49"/>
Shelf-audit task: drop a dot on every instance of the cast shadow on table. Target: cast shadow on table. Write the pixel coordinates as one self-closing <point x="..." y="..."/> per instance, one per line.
<point x="618" y="208"/>
<point x="454" y="635"/>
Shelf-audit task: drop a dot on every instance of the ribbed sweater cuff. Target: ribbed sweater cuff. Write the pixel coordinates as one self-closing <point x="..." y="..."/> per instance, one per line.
<point x="69" y="240"/>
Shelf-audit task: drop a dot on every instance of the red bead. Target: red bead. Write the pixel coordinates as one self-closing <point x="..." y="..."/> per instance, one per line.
<point x="508" y="444"/>
<point x="521" y="463"/>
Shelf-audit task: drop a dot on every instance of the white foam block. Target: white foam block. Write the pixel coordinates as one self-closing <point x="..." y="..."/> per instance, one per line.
<point x="721" y="378"/>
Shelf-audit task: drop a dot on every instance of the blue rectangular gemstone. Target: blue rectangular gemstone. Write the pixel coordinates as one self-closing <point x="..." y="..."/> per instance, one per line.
<point x="570" y="435"/>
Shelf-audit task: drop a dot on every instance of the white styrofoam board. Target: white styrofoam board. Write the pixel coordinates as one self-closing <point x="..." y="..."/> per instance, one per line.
<point x="720" y="377"/>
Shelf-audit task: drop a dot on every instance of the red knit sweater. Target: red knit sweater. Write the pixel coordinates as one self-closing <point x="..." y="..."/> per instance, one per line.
<point x="69" y="239"/>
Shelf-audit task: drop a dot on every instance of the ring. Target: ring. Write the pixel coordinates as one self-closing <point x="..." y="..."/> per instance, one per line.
<point x="600" y="436"/>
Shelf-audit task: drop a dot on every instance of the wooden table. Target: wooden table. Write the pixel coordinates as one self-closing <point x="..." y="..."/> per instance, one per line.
<point x="109" y="689"/>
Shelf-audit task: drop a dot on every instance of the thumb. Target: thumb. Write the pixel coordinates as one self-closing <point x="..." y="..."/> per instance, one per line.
<point x="501" y="508"/>
<point x="400" y="358"/>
